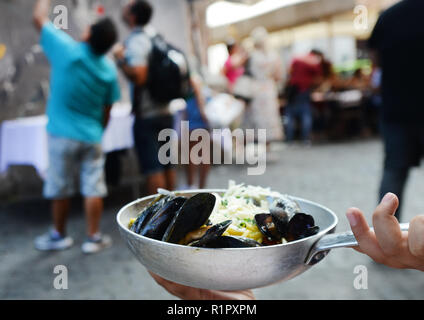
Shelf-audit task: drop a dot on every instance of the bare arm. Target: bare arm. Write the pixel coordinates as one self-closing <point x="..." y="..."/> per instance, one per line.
<point x="137" y="74"/>
<point x="41" y="13"/>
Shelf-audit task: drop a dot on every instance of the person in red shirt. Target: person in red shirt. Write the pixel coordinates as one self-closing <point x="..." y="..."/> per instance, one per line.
<point x="305" y="73"/>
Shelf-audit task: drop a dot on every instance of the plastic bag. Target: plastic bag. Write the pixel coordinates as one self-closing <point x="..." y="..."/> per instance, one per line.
<point x="223" y="109"/>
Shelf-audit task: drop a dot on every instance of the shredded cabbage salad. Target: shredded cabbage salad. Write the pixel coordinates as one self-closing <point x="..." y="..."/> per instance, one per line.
<point x="240" y="203"/>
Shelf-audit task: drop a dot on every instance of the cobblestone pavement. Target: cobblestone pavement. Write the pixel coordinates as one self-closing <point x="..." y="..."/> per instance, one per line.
<point x="337" y="175"/>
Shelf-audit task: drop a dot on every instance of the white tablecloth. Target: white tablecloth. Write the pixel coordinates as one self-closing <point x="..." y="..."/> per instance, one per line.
<point x="118" y="134"/>
<point x="24" y="141"/>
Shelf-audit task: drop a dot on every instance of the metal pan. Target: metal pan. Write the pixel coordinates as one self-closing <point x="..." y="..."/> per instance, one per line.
<point x="234" y="268"/>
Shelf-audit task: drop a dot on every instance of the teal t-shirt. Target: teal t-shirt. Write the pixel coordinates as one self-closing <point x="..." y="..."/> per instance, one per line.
<point x="81" y="85"/>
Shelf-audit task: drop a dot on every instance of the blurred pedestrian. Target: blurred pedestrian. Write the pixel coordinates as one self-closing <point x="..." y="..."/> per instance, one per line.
<point x="321" y="109"/>
<point x="265" y="70"/>
<point x="197" y="119"/>
<point x="84" y="86"/>
<point x="151" y="116"/>
<point x="304" y="75"/>
<point x="234" y="66"/>
<point x="374" y="101"/>
<point x="397" y="45"/>
<point x="358" y="81"/>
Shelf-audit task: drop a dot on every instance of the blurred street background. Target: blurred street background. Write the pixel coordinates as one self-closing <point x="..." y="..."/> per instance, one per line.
<point x="338" y="162"/>
<point x="351" y="180"/>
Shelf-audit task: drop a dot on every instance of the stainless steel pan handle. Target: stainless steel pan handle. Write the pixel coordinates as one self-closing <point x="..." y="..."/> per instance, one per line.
<point x="335" y="240"/>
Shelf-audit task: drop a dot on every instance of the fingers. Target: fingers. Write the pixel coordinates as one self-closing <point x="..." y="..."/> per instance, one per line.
<point x="230" y="295"/>
<point x="366" y="238"/>
<point x="416" y="237"/>
<point x="161" y="281"/>
<point x="189" y="293"/>
<point x="175" y="289"/>
<point x="386" y="227"/>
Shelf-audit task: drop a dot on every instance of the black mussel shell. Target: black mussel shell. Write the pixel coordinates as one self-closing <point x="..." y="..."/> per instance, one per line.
<point x="281" y="220"/>
<point x="194" y="235"/>
<point x="148" y="212"/>
<point x="160" y="220"/>
<point x="232" y="242"/>
<point x="287" y="205"/>
<point x="267" y="226"/>
<point x="300" y="226"/>
<point x="211" y="235"/>
<point x="193" y="214"/>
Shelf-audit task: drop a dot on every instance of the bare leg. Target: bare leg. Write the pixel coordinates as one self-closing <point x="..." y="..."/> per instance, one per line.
<point x="155" y="181"/>
<point x="191" y="167"/>
<point x="190" y="171"/>
<point x="203" y="175"/>
<point x="93" y="212"/>
<point x="60" y="211"/>
<point x="171" y="179"/>
<point x="203" y="169"/>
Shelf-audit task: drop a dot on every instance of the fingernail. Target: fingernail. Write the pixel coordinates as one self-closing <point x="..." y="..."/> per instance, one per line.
<point x="352" y="218"/>
<point x="388" y="198"/>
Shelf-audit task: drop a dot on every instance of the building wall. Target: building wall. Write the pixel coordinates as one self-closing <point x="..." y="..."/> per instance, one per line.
<point x="24" y="71"/>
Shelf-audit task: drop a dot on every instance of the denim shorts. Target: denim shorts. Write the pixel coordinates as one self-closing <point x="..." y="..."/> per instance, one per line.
<point x="70" y="161"/>
<point x="194" y="118"/>
<point x="147" y="144"/>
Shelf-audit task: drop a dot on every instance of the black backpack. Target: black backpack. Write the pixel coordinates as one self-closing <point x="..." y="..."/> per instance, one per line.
<point x="168" y="76"/>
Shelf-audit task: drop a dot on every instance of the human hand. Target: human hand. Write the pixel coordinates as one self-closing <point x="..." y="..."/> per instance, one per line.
<point x="118" y="51"/>
<point x="189" y="293"/>
<point x="387" y="244"/>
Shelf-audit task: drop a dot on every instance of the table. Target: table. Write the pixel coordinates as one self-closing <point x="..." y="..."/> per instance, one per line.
<point x="23" y="141"/>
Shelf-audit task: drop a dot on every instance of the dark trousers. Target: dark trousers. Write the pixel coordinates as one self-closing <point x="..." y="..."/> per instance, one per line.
<point x="394" y="181"/>
<point x="300" y="108"/>
<point x="404" y="147"/>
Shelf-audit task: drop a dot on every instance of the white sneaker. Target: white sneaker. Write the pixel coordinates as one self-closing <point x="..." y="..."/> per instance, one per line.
<point x="53" y="241"/>
<point x="96" y="243"/>
<point x="188" y="187"/>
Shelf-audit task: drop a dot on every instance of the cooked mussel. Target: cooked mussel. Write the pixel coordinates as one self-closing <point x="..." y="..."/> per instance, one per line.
<point x="268" y="227"/>
<point x="284" y="222"/>
<point x="300" y="226"/>
<point x="186" y="221"/>
<point x="281" y="210"/>
<point x="286" y="204"/>
<point x="193" y="214"/>
<point x="211" y="234"/>
<point x="145" y="215"/>
<point x="194" y="235"/>
<point x="156" y="226"/>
